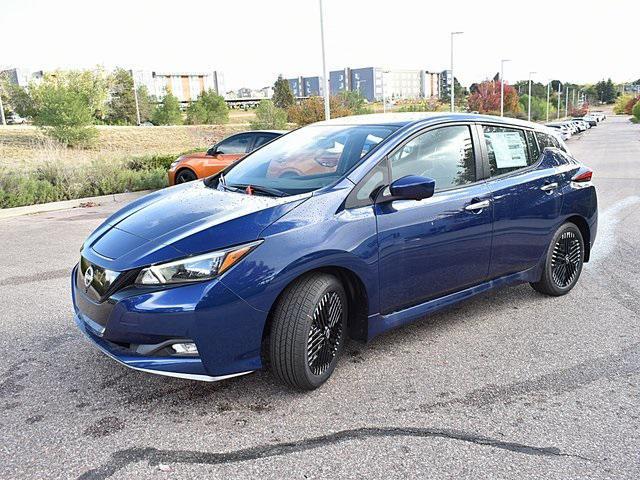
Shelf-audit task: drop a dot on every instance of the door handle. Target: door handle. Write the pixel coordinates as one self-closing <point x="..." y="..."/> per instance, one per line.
<point x="549" y="187"/>
<point x="476" y="207"/>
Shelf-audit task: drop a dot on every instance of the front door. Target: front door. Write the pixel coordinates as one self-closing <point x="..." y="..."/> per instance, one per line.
<point x="228" y="151"/>
<point x="442" y="244"/>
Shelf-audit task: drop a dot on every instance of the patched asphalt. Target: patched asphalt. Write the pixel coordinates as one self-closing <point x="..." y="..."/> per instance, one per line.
<point x="511" y="384"/>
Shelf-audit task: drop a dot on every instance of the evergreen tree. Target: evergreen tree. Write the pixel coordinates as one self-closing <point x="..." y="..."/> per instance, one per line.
<point x="168" y="112"/>
<point x="282" y="94"/>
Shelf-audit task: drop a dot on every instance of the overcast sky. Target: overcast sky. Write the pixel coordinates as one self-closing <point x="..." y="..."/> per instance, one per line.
<point x="251" y="41"/>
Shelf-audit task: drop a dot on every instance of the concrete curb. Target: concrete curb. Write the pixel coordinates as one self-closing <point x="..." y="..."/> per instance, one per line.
<point x="66" y="204"/>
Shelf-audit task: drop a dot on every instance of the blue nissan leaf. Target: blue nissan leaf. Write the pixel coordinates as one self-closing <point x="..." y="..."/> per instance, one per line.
<point x="341" y="229"/>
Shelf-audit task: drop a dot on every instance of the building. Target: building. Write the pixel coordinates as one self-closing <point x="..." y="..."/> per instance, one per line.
<point x="374" y="83"/>
<point x="21" y="76"/>
<point x="185" y="86"/>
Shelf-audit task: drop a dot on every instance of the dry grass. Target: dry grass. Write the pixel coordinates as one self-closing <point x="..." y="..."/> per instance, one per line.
<point x="25" y="147"/>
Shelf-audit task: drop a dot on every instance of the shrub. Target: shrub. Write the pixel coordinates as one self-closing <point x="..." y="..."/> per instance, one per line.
<point x="620" y="106"/>
<point x="628" y="108"/>
<point x="354" y="102"/>
<point x="538" y="108"/>
<point x="636" y="112"/>
<point x="269" y="116"/>
<point x="427" y="105"/>
<point x="167" y="112"/>
<point x="150" y="162"/>
<point x="312" y="110"/>
<point x="209" y="109"/>
<point x="53" y="182"/>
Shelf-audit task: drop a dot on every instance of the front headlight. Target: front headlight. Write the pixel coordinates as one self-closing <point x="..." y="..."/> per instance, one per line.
<point x="195" y="269"/>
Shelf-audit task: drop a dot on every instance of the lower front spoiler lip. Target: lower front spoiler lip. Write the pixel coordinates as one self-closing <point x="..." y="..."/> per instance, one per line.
<point x="147" y="364"/>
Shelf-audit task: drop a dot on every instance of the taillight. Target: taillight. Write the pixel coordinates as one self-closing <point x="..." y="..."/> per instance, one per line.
<point x="583" y="175"/>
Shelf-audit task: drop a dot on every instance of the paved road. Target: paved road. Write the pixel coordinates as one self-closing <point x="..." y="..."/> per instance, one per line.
<point x="509" y="385"/>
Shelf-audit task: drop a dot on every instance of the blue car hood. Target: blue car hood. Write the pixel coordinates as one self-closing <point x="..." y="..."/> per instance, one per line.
<point x="180" y="221"/>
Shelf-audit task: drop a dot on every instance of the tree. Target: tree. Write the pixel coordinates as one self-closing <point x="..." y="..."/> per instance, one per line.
<point x="146" y="104"/>
<point x="167" y="112"/>
<point x="538" y="107"/>
<point x="268" y="116"/>
<point x="312" y="110"/>
<point x="606" y="91"/>
<point x="209" y="109"/>
<point x="121" y="107"/>
<point x="624" y="104"/>
<point x="64" y="114"/>
<point x="282" y="94"/>
<point x="460" y="94"/>
<point x="486" y="98"/>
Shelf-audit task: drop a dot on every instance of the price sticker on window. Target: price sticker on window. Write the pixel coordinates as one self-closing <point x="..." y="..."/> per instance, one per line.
<point x="509" y="149"/>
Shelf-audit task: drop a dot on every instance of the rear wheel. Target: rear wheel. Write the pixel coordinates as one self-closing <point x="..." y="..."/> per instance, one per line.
<point x="186" y="175"/>
<point x="564" y="261"/>
<point x="308" y="331"/>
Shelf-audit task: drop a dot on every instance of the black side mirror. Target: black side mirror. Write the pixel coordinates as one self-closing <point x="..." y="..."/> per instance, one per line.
<point x="213" y="151"/>
<point x="413" y="187"/>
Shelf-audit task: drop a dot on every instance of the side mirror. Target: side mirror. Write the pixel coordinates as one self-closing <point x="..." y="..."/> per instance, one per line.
<point x="413" y="187"/>
<point x="213" y="151"/>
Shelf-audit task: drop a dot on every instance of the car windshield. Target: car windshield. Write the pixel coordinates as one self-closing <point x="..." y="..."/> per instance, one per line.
<point x="306" y="159"/>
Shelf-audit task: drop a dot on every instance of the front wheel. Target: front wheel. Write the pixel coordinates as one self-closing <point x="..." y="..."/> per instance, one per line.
<point x="308" y="331"/>
<point x="563" y="263"/>
<point x="186" y="175"/>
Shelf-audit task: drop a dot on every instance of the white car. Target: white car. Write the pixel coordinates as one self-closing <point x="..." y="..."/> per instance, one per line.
<point x="560" y="130"/>
<point x="591" y="120"/>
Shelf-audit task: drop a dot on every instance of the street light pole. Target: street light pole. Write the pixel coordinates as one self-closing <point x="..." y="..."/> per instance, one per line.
<point x="384" y="99"/>
<point x="548" y="95"/>
<point x="453" y="78"/>
<point x="529" y="107"/>
<point x="566" y="104"/>
<point x="559" y="94"/>
<point x="135" y="96"/>
<point x="327" y="111"/>
<point x="502" y="86"/>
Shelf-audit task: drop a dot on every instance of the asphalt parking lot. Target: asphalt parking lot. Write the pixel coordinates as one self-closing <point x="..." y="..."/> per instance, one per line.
<point x="511" y="384"/>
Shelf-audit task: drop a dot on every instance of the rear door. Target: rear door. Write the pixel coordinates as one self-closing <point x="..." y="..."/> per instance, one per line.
<point x="524" y="186"/>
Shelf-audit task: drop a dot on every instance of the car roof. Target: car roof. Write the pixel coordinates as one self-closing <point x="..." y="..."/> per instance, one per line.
<point x="411" y="118"/>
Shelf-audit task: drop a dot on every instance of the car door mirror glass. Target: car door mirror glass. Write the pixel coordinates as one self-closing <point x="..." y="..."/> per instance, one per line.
<point x="213" y="151"/>
<point x="413" y="187"/>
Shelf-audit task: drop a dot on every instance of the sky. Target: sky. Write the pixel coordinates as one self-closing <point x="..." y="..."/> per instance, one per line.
<point x="252" y="41"/>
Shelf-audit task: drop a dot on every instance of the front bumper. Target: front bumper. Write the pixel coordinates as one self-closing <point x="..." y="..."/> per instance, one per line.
<point x="227" y="331"/>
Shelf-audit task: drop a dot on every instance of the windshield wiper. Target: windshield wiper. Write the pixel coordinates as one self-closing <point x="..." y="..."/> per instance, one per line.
<point x="274" y="192"/>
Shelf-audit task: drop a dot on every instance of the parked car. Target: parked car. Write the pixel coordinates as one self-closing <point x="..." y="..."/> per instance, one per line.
<point x="600" y="115"/>
<point x="585" y="125"/>
<point x="203" y="164"/>
<point x="591" y="120"/>
<point x="580" y="125"/>
<point x="206" y="280"/>
<point x="15" y="119"/>
<point x="562" y="128"/>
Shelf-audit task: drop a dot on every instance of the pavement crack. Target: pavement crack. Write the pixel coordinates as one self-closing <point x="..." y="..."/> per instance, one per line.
<point x="123" y="458"/>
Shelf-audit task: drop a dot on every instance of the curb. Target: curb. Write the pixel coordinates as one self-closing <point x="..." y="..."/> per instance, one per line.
<point x="67" y="204"/>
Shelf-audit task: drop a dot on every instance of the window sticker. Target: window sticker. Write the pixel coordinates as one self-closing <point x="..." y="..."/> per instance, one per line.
<point x="508" y="148"/>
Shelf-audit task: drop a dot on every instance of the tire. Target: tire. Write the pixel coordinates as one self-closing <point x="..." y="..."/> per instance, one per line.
<point x="308" y="331"/>
<point x="563" y="263"/>
<point x="185" y="175"/>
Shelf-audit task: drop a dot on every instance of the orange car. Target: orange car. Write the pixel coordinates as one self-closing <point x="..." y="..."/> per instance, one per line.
<point x="203" y="164"/>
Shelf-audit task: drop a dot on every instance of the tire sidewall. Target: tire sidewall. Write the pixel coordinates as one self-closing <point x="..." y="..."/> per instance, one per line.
<point x="183" y="172"/>
<point x="333" y="285"/>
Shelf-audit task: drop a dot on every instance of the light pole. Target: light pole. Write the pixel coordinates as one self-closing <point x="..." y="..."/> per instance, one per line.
<point x="559" y="94"/>
<point x="566" y="104"/>
<point x="384" y="100"/>
<point x="548" y="95"/>
<point x="502" y="86"/>
<point x="453" y="78"/>
<point x="135" y="97"/>
<point x="529" y="106"/>
<point x="327" y="111"/>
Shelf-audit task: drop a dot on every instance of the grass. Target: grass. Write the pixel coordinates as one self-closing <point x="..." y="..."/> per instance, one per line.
<point x="34" y="169"/>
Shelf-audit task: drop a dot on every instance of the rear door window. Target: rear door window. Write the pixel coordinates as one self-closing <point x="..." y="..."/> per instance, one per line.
<point x="507" y="149"/>
<point x="534" y="150"/>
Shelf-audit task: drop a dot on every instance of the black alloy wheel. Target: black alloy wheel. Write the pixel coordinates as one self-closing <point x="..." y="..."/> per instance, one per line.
<point x="563" y="262"/>
<point x="308" y="331"/>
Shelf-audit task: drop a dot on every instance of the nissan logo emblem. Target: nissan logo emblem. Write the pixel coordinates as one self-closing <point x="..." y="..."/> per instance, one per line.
<point x="88" y="276"/>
